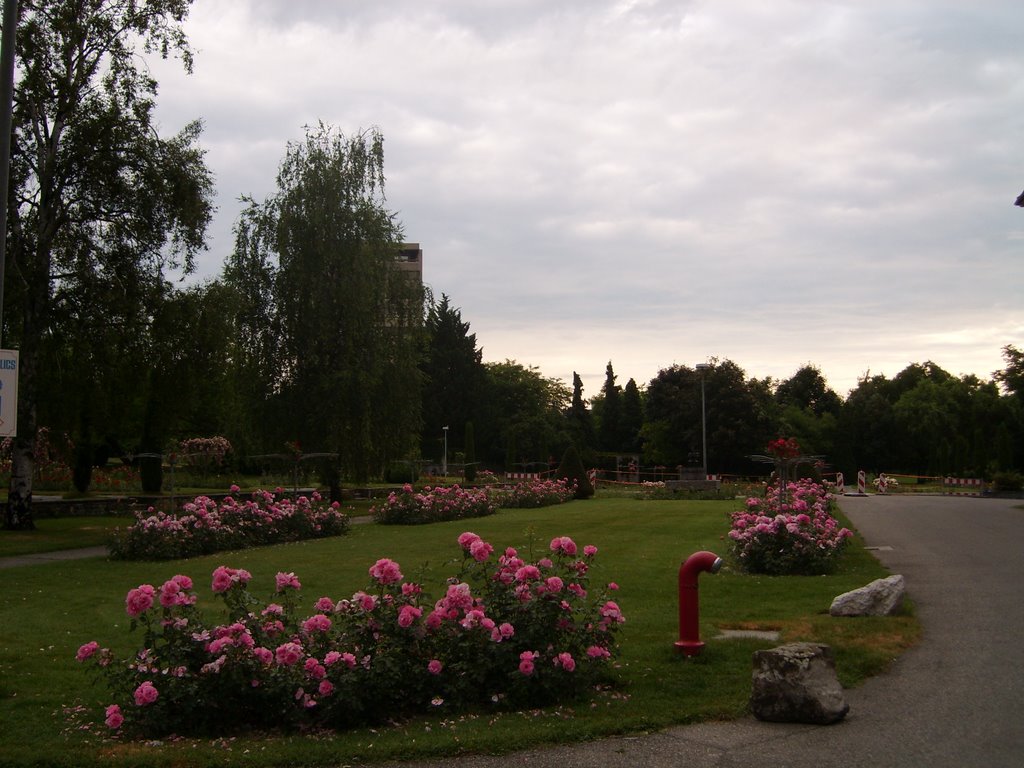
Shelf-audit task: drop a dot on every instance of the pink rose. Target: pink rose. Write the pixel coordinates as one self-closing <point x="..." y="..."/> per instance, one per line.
<point x="114" y="718"/>
<point x="565" y="661"/>
<point x="467" y="539"/>
<point x="288" y="654"/>
<point x="480" y="550"/>
<point x="597" y="652"/>
<point x="386" y="571"/>
<point x="326" y="688"/>
<point x="139" y="600"/>
<point x="285" y="581"/>
<point x="264" y="655"/>
<point x="526" y="658"/>
<point x="87" y="650"/>
<point x="435" y="667"/>
<point x="145" y="694"/>
<point x="325" y="604"/>
<point x="408" y="616"/>
<point x="316" y="623"/>
<point x="563" y="544"/>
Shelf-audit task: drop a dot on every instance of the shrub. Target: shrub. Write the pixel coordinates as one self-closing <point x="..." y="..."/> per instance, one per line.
<point x="402" y="472"/>
<point x="788" y="533"/>
<point x="1007" y="482"/>
<point x="205" y="526"/>
<point x="81" y="476"/>
<point x="533" y="493"/>
<point x="571" y="470"/>
<point x="411" y="507"/>
<point x="506" y="633"/>
<point x="151" y="472"/>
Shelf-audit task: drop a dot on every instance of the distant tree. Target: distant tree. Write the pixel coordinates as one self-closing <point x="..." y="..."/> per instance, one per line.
<point x="453" y="374"/>
<point x="1012" y="376"/>
<point x="737" y="425"/>
<point x="580" y="422"/>
<point x="522" y="418"/>
<point x="98" y="199"/>
<point x="632" y="418"/>
<point x="807" y="390"/>
<point x="347" y="322"/>
<point x="609" y="426"/>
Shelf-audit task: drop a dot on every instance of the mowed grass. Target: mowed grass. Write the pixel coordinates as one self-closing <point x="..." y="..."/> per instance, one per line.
<point x="53" y="534"/>
<point x="47" y="611"/>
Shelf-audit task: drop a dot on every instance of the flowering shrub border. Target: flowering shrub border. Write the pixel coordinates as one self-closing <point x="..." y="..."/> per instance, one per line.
<point x="506" y="633"/>
<point x="534" y="493"/>
<point x="205" y="526"/>
<point x="433" y="505"/>
<point x="788" y="533"/>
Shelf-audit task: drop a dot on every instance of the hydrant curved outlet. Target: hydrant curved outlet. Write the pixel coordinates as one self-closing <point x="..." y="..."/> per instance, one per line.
<point x="689" y="613"/>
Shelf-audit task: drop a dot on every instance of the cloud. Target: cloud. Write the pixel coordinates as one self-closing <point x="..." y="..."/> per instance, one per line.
<point x="658" y="182"/>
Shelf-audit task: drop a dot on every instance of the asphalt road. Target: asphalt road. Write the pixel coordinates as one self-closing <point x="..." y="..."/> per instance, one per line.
<point x="954" y="700"/>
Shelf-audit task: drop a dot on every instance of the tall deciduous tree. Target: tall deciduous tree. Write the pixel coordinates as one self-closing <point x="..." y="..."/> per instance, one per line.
<point x="345" y="321"/>
<point x="99" y="199"/>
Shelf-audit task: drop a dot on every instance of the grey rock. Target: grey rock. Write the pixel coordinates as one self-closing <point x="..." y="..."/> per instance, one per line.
<point x="797" y="683"/>
<point x="882" y="597"/>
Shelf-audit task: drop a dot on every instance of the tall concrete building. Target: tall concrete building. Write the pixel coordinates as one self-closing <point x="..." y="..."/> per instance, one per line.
<point x="410" y="260"/>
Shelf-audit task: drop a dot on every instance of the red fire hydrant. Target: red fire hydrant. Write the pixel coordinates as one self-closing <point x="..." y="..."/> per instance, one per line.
<point x="689" y="614"/>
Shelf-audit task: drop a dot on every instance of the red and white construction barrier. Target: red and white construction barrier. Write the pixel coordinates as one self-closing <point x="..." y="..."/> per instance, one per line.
<point x="862" y="483"/>
<point x="962" y="486"/>
<point x="592" y="476"/>
<point x="840" y="484"/>
<point x="521" y="475"/>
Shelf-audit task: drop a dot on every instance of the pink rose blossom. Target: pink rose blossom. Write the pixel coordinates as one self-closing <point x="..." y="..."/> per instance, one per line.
<point x="597" y="652"/>
<point x="480" y="550"/>
<point x="564" y="545"/>
<point x="139" y="600"/>
<point x="527" y="572"/>
<point x="324" y="604"/>
<point x="87" y="650"/>
<point x="386" y="571"/>
<point x="326" y="688"/>
<point x="316" y="623"/>
<point x="114" y="718"/>
<point x="145" y="694"/>
<point x="287" y="581"/>
<point x="288" y="654"/>
<point x="264" y="655"/>
<point x="590" y="550"/>
<point x="224" y="578"/>
<point x="411" y="589"/>
<point x="434" y="667"/>
<point x="526" y="658"/>
<point x="554" y="584"/>
<point x="467" y="539"/>
<point x="565" y="661"/>
<point x="408" y="616"/>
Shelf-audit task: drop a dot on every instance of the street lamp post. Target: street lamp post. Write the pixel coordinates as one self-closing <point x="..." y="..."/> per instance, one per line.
<point x="701" y="367"/>
<point x="444" y="460"/>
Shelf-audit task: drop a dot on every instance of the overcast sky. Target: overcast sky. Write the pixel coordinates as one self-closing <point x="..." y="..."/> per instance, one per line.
<point x="656" y="182"/>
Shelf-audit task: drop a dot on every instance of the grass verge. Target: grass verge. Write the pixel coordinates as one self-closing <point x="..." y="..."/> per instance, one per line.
<point x="47" y="611"/>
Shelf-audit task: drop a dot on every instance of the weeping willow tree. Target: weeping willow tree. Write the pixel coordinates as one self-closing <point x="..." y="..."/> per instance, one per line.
<point x="328" y="325"/>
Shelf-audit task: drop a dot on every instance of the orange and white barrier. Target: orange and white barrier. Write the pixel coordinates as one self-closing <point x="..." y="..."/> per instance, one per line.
<point x="862" y="483"/>
<point x="840" y="484"/>
<point x="962" y="486"/>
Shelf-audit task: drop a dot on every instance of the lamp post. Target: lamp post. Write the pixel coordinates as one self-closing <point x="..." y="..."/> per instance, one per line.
<point x="444" y="461"/>
<point x="701" y="367"/>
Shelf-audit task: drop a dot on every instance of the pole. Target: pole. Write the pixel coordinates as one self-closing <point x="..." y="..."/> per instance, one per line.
<point x="444" y="460"/>
<point x="6" y="109"/>
<point x="703" y="423"/>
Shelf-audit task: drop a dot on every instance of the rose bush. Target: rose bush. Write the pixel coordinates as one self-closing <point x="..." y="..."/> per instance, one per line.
<point x="534" y="493"/>
<point x="505" y="633"/>
<point x="433" y="505"/>
<point x="205" y="526"/>
<point x="788" y="533"/>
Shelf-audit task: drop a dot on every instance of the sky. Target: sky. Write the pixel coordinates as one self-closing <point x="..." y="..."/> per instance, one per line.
<point x="651" y="183"/>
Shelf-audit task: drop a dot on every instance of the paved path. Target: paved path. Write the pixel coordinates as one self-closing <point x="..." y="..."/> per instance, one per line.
<point x="953" y="701"/>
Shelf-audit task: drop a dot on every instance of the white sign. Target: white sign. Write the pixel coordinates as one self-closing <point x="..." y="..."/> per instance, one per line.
<point x="8" y="392"/>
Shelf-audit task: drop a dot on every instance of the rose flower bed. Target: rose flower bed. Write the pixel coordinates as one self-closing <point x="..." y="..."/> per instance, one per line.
<point x="205" y="526"/>
<point x="788" y="533"/>
<point x="433" y="505"/>
<point x="535" y="493"/>
<point x="506" y="634"/>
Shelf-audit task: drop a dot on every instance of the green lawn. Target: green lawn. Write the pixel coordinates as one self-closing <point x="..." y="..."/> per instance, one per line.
<point x="52" y="534"/>
<point x="47" y="611"/>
